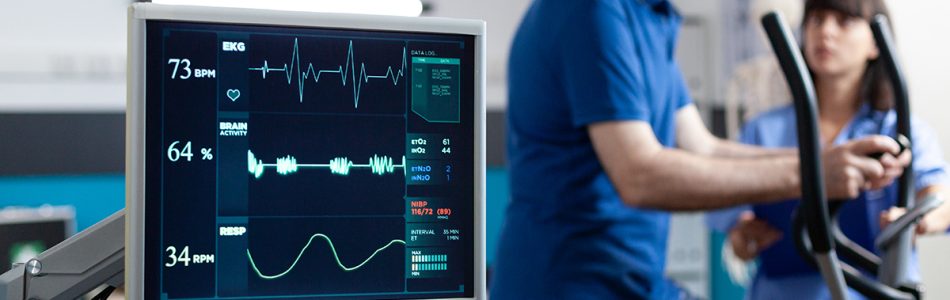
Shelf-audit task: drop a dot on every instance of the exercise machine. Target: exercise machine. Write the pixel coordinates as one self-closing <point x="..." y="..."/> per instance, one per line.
<point x="815" y="229"/>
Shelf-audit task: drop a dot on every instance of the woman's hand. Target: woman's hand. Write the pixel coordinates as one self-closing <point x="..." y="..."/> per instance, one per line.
<point x="750" y="236"/>
<point x="936" y="221"/>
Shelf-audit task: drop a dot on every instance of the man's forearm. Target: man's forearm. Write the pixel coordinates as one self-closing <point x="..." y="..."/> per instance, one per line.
<point x="647" y="174"/>
<point x="677" y="180"/>
<point x="726" y="148"/>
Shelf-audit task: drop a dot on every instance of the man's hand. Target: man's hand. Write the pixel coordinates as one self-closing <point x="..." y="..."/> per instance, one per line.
<point x="849" y="169"/>
<point x="750" y="236"/>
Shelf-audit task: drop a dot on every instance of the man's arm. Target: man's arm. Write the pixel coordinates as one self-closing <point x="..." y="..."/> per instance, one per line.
<point x="693" y="136"/>
<point x="646" y="174"/>
<point x="692" y="133"/>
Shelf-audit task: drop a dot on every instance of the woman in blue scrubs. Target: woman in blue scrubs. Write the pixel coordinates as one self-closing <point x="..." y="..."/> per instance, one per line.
<point x="854" y="100"/>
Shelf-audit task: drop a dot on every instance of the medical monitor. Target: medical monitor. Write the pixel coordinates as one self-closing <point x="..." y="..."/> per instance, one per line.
<point x="27" y="232"/>
<point x="275" y="154"/>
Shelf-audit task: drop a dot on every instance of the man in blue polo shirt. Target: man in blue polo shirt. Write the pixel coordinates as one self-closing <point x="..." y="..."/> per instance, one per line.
<point x="603" y="139"/>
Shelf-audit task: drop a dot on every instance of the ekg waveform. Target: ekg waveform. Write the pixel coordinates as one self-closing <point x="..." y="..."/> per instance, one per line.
<point x="379" y="165"/>
<point x="347" y="72"/>
<point x="336" y="256"/>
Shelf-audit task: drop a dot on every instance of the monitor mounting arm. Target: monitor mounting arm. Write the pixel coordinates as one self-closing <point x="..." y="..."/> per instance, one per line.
<point x="74" y="267"/>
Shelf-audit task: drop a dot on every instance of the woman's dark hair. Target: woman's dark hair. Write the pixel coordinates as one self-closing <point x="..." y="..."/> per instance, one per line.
<point x="875" y="86"/>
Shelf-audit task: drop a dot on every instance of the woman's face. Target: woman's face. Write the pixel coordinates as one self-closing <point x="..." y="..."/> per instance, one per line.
<point x="837" y="44"/>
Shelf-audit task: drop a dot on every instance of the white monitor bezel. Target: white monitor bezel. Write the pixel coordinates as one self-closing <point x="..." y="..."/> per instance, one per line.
<point x="139" y="13"/>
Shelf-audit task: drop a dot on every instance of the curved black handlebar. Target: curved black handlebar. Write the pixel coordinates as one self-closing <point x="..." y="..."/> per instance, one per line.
<point x="814" y="234"/>
<point x="814" y="229"/>
<point x="814" y="203"/>
<point x="884" y="39"/>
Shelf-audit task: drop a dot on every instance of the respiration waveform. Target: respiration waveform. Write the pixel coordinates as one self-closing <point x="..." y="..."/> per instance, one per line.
<point x="336" y="256"/>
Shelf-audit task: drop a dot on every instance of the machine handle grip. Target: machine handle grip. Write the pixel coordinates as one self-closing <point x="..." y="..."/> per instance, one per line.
<point x="814" y="205"/>
<point x="888" y="235"/>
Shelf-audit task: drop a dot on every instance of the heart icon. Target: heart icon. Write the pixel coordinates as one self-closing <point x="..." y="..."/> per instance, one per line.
<point x="233" y="94"/>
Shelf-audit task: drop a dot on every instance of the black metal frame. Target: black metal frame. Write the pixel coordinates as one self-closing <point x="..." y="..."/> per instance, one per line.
<point x="815" y="229"/>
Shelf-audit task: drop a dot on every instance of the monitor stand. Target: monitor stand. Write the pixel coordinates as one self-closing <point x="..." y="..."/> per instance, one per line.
<point x="74" y="267"/>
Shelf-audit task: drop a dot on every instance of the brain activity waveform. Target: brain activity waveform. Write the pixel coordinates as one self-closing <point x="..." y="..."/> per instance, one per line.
<point x="336" y="256"/>
<point x="379" y="165"/>
<point x="347" y="72"/>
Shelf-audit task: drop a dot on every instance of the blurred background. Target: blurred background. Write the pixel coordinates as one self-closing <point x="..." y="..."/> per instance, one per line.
<point x="62" y="104"/>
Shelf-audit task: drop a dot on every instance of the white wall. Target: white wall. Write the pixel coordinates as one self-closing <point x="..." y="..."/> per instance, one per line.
<point x="933" y="251"/>
<point x="922" y="31"/>
<point x="62" y="55"/>
<point x="700" y="48"/>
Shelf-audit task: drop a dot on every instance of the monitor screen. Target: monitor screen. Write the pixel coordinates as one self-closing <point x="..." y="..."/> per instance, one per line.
<point x="309" y="162"/>
<point x="27" y="232"/>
